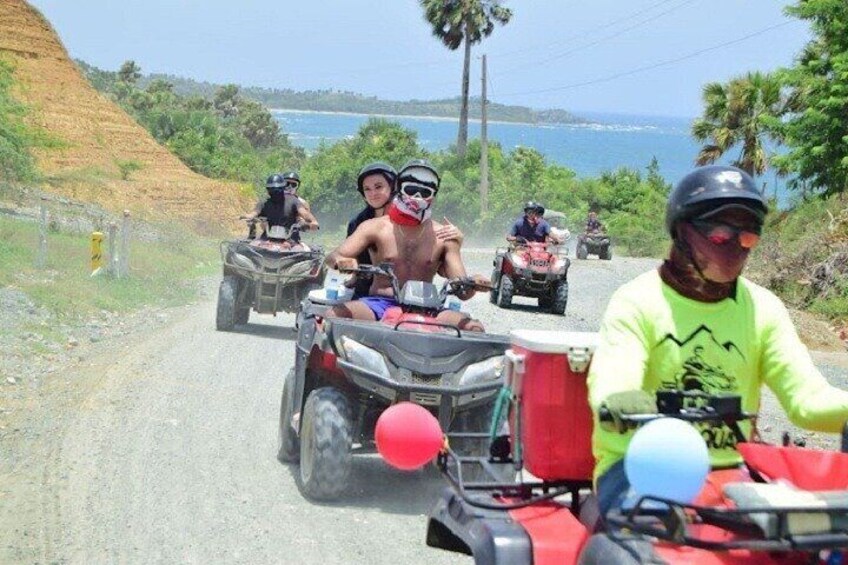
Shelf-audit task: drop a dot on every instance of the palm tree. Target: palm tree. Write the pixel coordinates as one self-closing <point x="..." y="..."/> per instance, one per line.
<point x="742" y="112"/>
<point x="458" y="22"/>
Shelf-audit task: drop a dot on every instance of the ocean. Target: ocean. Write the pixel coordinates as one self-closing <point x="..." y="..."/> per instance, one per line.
<point x="610" y="142"/>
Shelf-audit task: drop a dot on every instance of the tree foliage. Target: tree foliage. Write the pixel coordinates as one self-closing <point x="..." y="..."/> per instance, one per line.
<point x="228" y="137"/>
<point x="740" y="114"/>
<point x="464" y="22"/>
<point x="129" y="72"/>
<point x="817" y="131"/>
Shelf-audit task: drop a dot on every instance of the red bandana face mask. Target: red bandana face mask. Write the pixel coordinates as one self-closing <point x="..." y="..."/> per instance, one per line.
<point x="410" y="210"/>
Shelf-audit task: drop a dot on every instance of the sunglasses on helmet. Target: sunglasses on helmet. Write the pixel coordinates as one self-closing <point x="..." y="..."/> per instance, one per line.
<point x="720" y="233"/>
<point x="410" y="189"/>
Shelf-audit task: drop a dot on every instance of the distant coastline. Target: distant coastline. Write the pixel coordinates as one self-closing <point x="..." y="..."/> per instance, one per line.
<point x="411" y="116"/>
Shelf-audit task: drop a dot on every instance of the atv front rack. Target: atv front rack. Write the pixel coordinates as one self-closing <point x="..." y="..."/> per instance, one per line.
<point x="494" y="493"/>
<point x="755" y="528"/>
<point x="268" y="275"/>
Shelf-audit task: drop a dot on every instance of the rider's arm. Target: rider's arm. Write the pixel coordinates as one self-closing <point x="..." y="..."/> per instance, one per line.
<point x="305" y="217"/>
<point x="788" y="370"/>
<point x="454" y="268"/>
<point x="621" y="359"/>
<point x="513" y="231"/>
<point x="357" y="242"/>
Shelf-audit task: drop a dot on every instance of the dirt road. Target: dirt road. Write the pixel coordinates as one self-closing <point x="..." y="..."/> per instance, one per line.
<point x="161" y="449"/>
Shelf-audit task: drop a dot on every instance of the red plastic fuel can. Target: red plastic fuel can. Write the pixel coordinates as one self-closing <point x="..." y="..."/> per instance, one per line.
<point x="547" y="371"/>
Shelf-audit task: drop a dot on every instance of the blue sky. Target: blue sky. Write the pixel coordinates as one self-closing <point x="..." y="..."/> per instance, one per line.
<point x="624" y="56"/>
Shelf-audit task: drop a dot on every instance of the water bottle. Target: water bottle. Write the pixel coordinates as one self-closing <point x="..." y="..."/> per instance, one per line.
<point x="453" y="303"/>
<point x="331" y="285"/>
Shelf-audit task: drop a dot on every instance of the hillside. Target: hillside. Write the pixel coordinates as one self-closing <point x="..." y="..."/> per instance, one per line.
<point x="97" y="137"/>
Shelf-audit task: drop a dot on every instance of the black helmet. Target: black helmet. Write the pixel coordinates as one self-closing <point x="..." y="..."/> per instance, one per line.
<point x="419" y="171"/>
<point x="377" y="167"/>
<point x="275" y="181"/>
<point x="711" y="189"/>
<point x="534" y="206"/>
<point x="291" y="176"/>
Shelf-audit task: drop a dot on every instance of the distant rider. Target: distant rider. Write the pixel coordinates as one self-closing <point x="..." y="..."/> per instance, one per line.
<point x="376" y="184"/>
<point x="292" y="180"/>
<point x="532" y="227"/>
<point x="593" y="224"/>
<point x="282" y="209"/>
<point x="665" y="330"/>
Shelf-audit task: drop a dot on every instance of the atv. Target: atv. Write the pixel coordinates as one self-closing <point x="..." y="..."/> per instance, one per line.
<point x="347" y="372"/>
<point x="267" y="274"/>
<point x="787" y="504"/>
<point x="535" y="269"/>
<point x="594" y="243"/>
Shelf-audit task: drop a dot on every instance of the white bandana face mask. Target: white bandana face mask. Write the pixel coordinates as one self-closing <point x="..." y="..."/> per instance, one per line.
<point x="414" y="206"/>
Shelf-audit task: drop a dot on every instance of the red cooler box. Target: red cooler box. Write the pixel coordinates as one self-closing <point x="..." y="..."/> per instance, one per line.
<point x="549" y="375"/>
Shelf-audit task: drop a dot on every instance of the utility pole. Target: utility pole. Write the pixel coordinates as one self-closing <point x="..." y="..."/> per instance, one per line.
<point x="484" y="151"/>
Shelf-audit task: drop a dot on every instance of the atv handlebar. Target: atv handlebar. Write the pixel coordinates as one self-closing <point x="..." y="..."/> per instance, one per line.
<point x="690" y="406"/>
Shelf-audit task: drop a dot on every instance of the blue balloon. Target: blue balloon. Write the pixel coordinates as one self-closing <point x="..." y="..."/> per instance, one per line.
<point x="667" y="458"/>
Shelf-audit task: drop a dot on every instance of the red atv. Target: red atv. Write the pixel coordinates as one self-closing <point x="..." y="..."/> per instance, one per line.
<point x="534" y="269"/>
<point x="347" y="372"/>
<point x="787" y="505"/>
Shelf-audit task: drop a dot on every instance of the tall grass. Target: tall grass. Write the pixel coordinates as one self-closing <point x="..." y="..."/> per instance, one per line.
<point x="161" y="273"/>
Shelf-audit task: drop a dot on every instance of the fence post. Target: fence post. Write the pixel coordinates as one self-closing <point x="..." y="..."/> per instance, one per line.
<point x="41" y="256"/>
<point x="124" y="256"/>
<point x="113" y="259"/>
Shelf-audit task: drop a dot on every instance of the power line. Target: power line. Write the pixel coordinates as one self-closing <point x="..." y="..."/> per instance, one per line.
<point x="600" y="40"/>
<point x="649" y="67"/>
<point x="595" y="29"/>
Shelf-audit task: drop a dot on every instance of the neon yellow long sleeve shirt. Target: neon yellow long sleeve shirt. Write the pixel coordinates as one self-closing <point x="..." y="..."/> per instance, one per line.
<point x="653" y="338"/>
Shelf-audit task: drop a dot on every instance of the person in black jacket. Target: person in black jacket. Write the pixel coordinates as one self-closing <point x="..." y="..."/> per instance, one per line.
<point x="282" y="209"/>
<point x="376" y="183"/>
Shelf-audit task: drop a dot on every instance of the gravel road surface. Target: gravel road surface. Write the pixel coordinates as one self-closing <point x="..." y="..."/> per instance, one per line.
<point x="160" y="448"/>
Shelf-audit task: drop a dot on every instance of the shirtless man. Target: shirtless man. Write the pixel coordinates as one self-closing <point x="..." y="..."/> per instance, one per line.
<point x="406" y="238"/>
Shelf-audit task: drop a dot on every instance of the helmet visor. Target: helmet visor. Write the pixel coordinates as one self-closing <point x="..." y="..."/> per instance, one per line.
<point x="720" y="233"/>
<point x="411" y="189"/>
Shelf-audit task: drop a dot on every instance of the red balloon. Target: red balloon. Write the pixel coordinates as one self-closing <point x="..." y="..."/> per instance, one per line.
<point x="408" y="436"/>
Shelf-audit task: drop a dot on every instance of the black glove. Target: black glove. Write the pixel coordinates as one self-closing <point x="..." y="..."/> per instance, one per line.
<point x="625" y="403"/>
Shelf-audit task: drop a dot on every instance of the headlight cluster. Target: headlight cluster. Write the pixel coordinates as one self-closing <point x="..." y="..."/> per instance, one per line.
<point x="487" y="370"/>
<point x="361" y="356"/>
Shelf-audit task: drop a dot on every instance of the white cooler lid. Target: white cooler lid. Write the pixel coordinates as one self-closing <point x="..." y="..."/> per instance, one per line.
<point x="549" y="341"/>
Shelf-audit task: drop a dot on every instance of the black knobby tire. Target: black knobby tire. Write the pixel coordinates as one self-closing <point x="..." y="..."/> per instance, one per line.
<point x="606" y="253"/>
<point x="242" y="315"/>
<point x="560" y="299"/>
<point x="505" y="290"/>
<point x="225" y="317"/>
<point x="493" y="294"/>
<point x="545" y="302"/>
<point x="288" y="445"/>
<point x="325" y="442"/>
<point x="582" y="251"/>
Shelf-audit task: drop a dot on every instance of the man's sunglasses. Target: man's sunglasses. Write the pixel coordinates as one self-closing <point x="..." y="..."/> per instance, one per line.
<point x="719" y="233"/>
<point x="292" y="184"/>
<point x="418" y="190"/>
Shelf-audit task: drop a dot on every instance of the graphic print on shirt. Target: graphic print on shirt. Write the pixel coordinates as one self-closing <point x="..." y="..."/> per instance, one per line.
<point x="704" y="359"/>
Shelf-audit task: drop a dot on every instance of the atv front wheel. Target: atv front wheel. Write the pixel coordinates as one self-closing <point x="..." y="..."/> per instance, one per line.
<point x="545" y="302"/>
<point x="225" y="317"/>
<point x="560" y="299"/>
<point x="325" y="442"/>
<point x="288" y="444"/>
<point x="606" y="254"/>
<point x="493" y="294"/>
<point x="242" y="315"/>
<point x="582" y="251"/>
<point x="505" y="292"/>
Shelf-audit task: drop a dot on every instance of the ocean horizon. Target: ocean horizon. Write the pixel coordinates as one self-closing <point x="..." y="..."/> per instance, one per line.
<point x="610" y="141"/>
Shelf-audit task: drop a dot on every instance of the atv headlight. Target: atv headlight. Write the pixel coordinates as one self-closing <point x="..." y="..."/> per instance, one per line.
<point x="362" y="356"/>
<point x="487" y="370"/>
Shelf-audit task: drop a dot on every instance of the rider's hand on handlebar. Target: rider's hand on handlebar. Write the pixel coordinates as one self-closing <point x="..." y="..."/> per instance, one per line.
<point x="346" y="264"/>
<point x="626" y="403"/>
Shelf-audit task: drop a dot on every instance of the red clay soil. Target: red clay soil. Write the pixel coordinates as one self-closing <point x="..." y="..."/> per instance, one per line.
<point x="97" y="135"/>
